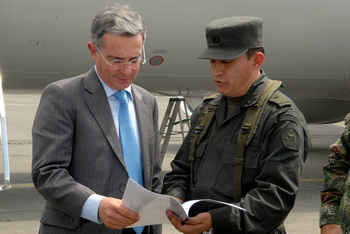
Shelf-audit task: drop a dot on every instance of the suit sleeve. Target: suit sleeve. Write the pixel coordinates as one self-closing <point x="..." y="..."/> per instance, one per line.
<point x="52" y="134"/>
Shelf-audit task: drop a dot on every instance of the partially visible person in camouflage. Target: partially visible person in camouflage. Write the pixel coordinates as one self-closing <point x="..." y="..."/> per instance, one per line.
<point x="335" y="198"/>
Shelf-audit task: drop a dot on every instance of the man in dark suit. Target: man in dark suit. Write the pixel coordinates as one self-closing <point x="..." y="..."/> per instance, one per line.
<point x="79" y="165"/>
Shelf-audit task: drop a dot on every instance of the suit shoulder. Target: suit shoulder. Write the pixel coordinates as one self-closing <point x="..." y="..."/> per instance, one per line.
<point x="65" y="83"/>
<point x="142" y="93"/>
<point x="141" y="90"/>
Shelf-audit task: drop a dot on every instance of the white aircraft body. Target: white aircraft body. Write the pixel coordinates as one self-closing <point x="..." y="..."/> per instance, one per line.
<point x="307" y="46"/>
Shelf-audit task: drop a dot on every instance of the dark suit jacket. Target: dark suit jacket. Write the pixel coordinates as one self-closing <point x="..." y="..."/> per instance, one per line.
<point x="76" y="151"/>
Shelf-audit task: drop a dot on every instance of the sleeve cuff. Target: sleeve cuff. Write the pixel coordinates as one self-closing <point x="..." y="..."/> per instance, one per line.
<point x="329" y="214"/>
<point x="90" y="208"/>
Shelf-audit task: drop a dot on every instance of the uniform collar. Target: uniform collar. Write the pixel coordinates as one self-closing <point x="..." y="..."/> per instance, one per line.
<point x="255" y="91"/>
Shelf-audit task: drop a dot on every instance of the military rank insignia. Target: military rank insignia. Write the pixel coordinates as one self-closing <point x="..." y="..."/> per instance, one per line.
<point x="290" y="139"/>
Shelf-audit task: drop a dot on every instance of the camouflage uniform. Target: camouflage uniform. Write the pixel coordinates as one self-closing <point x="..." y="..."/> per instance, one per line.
<point x="335" y="207"/>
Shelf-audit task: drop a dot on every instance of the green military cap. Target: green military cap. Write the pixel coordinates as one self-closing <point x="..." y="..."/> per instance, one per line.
<point x="231" y="37"/>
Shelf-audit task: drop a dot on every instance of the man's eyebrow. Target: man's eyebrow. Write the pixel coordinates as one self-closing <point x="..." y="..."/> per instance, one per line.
<point x="122" y="58"/>
<point x="114" y="57"/>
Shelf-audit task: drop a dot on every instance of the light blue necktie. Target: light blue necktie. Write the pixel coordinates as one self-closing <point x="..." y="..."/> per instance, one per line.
<point x="129" y="144"/>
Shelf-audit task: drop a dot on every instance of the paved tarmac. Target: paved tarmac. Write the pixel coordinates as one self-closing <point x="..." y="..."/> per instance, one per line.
<point x="21" y="206"/>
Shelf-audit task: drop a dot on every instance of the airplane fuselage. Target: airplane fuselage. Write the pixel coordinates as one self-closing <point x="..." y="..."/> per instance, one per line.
<point x="306" y="45"/>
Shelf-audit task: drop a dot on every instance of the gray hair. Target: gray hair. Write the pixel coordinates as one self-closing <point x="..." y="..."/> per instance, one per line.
<point x="118" y="19"/>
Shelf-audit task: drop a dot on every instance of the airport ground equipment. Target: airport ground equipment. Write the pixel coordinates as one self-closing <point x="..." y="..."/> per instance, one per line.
<point x="169" y="121"/>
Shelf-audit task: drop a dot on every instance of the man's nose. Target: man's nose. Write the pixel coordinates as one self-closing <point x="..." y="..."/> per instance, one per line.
<point x="126" y="69"/>
<point x="216" y="67"/>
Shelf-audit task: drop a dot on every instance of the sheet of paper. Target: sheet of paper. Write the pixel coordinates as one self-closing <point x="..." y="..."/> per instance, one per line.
<point x="150" y="206"/>
<point x="187" y="205"/>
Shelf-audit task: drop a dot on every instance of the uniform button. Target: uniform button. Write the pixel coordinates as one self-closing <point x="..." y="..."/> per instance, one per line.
<point x="122" y="188"/>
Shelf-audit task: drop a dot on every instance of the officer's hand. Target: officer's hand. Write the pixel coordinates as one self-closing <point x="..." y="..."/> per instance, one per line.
<point x="195" y="225"/>
<point x="179" y="200"/>
<point x="114" y="215"/>
<point x="331" y="229"/>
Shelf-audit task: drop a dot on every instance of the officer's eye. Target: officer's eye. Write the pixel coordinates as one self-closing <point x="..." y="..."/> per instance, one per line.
<point x="227" y="61"/>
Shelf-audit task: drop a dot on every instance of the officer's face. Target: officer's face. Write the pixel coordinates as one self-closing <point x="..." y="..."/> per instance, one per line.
<point x="234" y="77"/>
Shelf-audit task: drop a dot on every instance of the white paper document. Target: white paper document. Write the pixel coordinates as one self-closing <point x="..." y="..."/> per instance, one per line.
<point x="151" y="206"/>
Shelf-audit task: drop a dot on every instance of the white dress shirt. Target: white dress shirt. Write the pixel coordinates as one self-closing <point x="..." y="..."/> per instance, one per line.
<point x="90" y="208"/>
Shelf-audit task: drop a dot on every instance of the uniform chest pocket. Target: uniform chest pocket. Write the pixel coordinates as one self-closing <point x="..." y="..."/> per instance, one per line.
<point x="251" y="155"/>
<point x="226" y="175"/>
<point x="201" y="147"/>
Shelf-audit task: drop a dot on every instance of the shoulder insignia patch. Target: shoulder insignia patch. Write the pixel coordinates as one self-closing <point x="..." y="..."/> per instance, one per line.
<point x="290" y="139"/>
<point x="288" y="117"/>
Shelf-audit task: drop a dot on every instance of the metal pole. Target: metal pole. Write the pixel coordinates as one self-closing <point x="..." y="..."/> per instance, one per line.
<point x="4" y="143"/>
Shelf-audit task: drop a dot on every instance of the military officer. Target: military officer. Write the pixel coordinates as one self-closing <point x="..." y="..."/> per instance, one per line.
<point x="261" y="174"/>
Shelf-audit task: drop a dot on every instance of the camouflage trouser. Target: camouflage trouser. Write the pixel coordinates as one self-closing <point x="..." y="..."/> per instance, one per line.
<point x="345" y="210"/>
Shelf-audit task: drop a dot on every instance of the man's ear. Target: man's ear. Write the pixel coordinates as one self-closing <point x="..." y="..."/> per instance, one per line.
<point x="92" y="49"/>
<point x="258" y="60"/>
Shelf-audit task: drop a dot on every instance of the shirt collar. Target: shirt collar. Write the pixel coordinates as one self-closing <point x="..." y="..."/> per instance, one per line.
<point x="109" y="91"/>
<point x="255" y="91"/>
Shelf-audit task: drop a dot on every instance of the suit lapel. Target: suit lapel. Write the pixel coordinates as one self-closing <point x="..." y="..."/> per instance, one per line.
<point x="96" y="100"/>
<point x="141" y="113"/>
